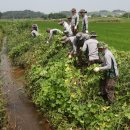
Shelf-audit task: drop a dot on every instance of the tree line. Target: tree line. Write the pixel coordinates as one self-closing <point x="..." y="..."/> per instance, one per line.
<point x="30" y="14"/>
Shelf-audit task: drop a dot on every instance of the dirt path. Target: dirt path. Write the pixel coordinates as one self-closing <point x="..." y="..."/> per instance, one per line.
<point x="21" y="112"/>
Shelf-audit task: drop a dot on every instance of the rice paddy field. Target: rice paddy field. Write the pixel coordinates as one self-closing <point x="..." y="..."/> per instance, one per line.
<point x="115" y="33"/>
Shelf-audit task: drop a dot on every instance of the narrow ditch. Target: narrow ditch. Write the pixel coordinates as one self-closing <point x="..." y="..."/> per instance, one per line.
<point x="21" y="112"/>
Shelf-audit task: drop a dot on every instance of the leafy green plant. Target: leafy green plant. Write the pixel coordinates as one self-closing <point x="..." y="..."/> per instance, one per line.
<point x="68" y="96"/>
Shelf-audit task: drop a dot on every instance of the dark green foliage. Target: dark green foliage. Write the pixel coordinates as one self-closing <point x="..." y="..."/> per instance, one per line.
<point x="126" y="15"/>
<point x="69" y="98"/>
<point x="56" y="16"/>
<point x="2" y="112"/>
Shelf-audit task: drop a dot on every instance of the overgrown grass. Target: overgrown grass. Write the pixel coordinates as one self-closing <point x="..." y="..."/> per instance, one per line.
<point x="68" y="98"/>
<point x="2" y="111"/>
<point x="2" y="103"/>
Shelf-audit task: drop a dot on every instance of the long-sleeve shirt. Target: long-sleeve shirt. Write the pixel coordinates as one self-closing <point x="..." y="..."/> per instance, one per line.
<point x="110" y="64"/>
<point x="67" y="29"/>
<point x="34" y="33"/>
<point x="85" y="23"/>
<point x="75" y="20"/>
<point x="91" y="47"/>
<point x="81" y="42"/>
<point x="54" y="32"/>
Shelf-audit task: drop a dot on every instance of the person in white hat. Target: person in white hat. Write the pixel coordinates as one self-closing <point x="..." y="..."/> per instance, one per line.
<point x="109" y="67"/>
<point x="83" y="14"/>
<point x="53" y="32"/>
<point x="67" y="28"/>
<point x="78" y="42"/>
<point x="90" y="47"/>
<point x="34" y="31"/>
<point x="74" y="21"/>
<point x="68" y="38"/>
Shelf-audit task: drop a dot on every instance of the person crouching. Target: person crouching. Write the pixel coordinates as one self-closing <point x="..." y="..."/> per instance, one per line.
<point x="34" y="31"/>
<point x="109" y="67"/>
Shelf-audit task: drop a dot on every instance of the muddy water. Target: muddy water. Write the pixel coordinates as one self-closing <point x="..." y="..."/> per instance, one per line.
<point x="21" y="113"/>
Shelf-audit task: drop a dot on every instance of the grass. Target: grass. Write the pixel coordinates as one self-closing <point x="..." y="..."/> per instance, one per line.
<point x="115" y="34"/>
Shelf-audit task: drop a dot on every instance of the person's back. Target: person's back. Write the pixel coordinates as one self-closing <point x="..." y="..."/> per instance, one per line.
<point x="79" y="40"/>
<point x="113" y="68"/>
<point x="83" y="14"/>
<point x="34" y="33"/>
<point x="85" y="24"/>
<point x="67" y="29"/>
<point x="91" y="46"/>
<point x="52" y="33"/>
<point x="74" y="21"/>
<point x="55" y="31"/>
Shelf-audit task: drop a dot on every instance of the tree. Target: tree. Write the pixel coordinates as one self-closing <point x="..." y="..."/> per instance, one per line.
<point x="126" y="15"/>
<point x="56" y="16"/>
<point x="0" y="15"/>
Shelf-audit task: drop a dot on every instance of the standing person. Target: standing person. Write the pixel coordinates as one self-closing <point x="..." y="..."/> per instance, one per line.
<point x="90" y="47"/>
<point x="109" y="66"/>
<point x="83" y="14"/>
<point x="74" y="21"/>
<point x="53" y="32"/>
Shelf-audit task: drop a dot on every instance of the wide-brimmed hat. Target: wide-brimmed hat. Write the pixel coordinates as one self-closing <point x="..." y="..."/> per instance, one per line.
<point x="93" y="34"/>
<point x="102" y="44"/>
<point x="82" y="11"/>
<point x="81" y="36"/>
<point x="73" y="10"/>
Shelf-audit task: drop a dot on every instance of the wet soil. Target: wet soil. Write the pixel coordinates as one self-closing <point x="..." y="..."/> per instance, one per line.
<point x="21" y="112"/>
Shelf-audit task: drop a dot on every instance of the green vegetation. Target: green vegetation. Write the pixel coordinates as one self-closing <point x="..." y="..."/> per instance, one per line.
<point x="66" y="96"/>
<point x="115" y="33"/>
<point x="26" y="14"/>
<point x="2" y="110"/>
<point x="126" y="15"/>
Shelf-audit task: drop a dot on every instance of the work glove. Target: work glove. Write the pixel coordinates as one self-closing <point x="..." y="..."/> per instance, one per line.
<point x="86" y="31"/>
<point x="81" y="48"/>
<point x="75" y="27"/>
<point x="97" y="69"/>
<point x="70" y="56"/>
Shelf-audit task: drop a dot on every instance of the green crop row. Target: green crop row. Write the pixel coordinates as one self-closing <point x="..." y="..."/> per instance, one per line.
<point x="67" y="97"/>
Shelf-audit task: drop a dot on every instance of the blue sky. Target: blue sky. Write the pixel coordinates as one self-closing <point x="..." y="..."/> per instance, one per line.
<point x="48" y="6"/>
